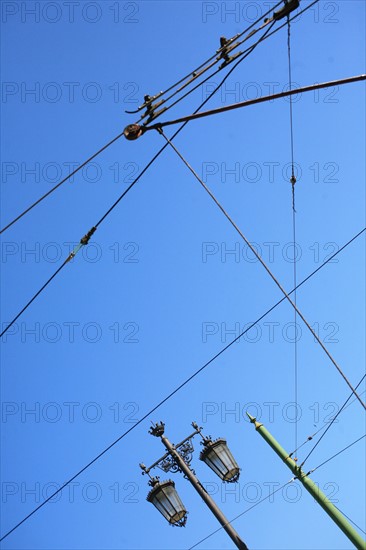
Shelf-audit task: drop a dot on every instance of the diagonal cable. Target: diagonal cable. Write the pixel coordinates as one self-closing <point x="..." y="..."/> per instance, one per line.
<point x="337" y="454"/>
<point x="201" y="69"/>
<point x="293" y="181"/>
<point x="154" y="115"/>
<point x="331" y="422"/>
<point x="178" y="388"/>
<point x="83" y="242"/>
<point x="28" y="209"/>
<point x="311" y="437"/>
<point x="113" y="206"/>
<point x="242" y="513"/>
<point x="249" y="50"/>
<point x="264" y="265"/>
<point x="61" y="182"/>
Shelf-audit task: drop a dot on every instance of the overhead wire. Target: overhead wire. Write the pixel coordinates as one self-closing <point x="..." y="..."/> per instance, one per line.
<point x="311" y="437"/>
<point x="113" y="206"/>
<point x="123" y="435"/>
<point x="337" y="454"/>
<point x="197" y="72"/>
<point x="293" y="181"/>
<point x="122" y="133"/>
<point x="174" y="135"/>
<point x="238" y="55"/>
<point x="243" y="513"/>
<point x="182" y="385"/>
<point x="61" y="182"/>
<point x="260" y="259"/>
<point x="243" y="55"/>
<point x="275" y="491"/>
<point x="330" y="424"/>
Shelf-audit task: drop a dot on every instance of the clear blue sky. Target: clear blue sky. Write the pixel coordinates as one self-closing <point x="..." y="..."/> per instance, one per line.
<point x="159" y="290"/>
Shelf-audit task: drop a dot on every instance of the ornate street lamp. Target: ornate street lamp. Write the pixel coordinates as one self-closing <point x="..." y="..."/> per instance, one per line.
<point x="217" y="455"/>
<point x="163" y="495"/>
<point x="165" y="498"/>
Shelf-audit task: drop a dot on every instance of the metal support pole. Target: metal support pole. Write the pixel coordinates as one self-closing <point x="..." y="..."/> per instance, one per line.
<point x="203" y="494"/>
<point x="311" y="487"/>
<point x="139" y="130"/>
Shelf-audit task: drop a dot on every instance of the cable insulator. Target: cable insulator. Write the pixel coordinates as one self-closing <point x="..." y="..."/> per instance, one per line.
<point x="133" y="131"/>
<point x="86" y="237"/>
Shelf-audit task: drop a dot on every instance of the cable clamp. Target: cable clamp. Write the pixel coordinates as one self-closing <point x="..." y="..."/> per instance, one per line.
<point x="84" y="241"/>
<point x="225" y="47"/>
<point x="150" y="108"/>
<point x="289" y="6"/>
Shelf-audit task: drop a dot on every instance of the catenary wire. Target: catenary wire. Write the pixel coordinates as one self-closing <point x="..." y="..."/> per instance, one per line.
<point x="330" y="424"/>
<point x="183" y="384"/>
<point x="34" y="297"/>
<point x="242" y="513"/>
<point x="238" y="55"/>
<point x="106" y="214"/>
<point x="166" y="144"/>
<point x="250" y="246"/>
<point x="114" y="140"/>
<point x="271" y="494"/>
<point x="337" y="454"/>
<point x="120" y="135"/>
<point x="221" y="49"/>
<point x="61" y="182"/>
<point x="242" y="56"/>
<point x="311" y="437"/>
<point x="293" y="181"/>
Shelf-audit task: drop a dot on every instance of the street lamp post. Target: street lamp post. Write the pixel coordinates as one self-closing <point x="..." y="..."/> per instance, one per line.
<point x="163" y="495"/>
<point x="333" y="512"/>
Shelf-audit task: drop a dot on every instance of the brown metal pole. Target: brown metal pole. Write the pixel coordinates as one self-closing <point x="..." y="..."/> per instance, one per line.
<point x="203" y="494"/>
<point x="254" y="101"/>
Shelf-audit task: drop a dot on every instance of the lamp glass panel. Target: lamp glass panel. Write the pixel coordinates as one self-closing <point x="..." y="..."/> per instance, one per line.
<point x="222" y="462"/>
<point x="167" y="501"/>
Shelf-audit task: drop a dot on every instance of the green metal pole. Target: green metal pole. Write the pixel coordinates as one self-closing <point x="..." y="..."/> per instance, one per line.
<point x="311" y="487"/>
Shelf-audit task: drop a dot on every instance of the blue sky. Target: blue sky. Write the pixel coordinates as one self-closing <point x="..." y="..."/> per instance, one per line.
<point x="165" y="282"/>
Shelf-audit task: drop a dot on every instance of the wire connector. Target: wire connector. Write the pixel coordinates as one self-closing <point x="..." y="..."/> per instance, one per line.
<point x="226" y="46"/>
<point x="84" y="241"/>
<point x="289" y="6"/>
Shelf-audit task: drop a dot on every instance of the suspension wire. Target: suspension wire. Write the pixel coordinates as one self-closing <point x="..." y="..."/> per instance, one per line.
<point x="219" y="51"/>
<point x="311" y="437"/>
<point x="293" y="181"/>
<point x="331" y="422"/>
<point x="339" y="452"/>
<point x="175" y="134"/>
<point x="61" y="182"/>
<point x="242" y="513"/>
<point x="239" y="54"/>
<point x="243" y="55"/>
<point x="182" y="385"/>
<point x="83" y="242"/>
<point x="263" y="37"/>
<point x="111" y="208"/>
<point x="160" y="130"/>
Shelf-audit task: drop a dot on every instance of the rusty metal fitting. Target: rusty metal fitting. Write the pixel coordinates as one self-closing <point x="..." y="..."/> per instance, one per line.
<point x="133" y="131"/>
